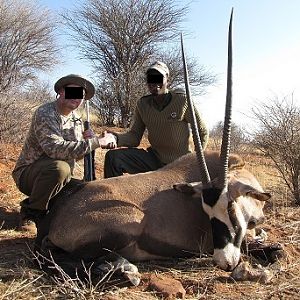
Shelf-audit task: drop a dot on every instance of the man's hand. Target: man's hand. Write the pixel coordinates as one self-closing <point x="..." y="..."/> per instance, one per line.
<point x="108" y="140"/>
<point x="88" y="134"/>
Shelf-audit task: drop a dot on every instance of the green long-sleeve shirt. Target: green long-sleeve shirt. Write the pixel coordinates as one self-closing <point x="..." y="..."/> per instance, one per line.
<point x="168" y="129"/>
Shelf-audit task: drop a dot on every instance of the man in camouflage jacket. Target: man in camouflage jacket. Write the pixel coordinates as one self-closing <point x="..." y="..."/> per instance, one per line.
<point x="54" y="142"/>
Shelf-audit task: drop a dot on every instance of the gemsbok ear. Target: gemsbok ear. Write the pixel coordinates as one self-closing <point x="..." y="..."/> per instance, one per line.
<point x="241" y="189"/>
<point x="188" y="188"/>
<point x="259" y="195"/>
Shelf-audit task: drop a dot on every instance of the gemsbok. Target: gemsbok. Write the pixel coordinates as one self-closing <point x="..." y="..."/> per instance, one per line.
<point x="142" y="217"/>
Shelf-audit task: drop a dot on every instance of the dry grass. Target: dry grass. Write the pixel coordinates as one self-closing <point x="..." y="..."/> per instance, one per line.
<point x="20" y="279"/>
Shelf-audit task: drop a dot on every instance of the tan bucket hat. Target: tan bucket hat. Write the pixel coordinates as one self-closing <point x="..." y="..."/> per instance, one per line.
<point x="78" y="80"/>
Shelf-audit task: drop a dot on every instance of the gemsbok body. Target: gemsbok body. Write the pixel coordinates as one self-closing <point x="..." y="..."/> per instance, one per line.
<point x="142" y="217"/>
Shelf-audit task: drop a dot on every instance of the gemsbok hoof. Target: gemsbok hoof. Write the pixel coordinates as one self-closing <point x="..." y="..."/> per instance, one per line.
<point x="119" y="267"/>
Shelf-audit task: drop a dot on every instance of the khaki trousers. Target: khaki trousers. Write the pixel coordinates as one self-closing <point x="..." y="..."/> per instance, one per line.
<point x="42" y="180"/>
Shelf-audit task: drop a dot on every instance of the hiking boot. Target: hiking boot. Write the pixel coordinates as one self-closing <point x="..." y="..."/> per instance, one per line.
<point x="29" y="218"/>
<point x="25" y="224"/>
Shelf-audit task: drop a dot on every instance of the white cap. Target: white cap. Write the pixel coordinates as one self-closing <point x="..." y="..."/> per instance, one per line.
<point x="160" y="67"/>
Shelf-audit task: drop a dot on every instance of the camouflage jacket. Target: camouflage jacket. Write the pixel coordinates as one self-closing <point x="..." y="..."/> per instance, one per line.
<point x="55" y="136"/>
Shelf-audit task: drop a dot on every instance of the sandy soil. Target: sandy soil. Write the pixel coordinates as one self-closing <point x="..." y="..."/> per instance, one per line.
<point x="20" y="279"/>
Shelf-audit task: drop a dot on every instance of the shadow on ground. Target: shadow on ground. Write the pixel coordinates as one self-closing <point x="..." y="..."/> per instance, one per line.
<point x="8" y="218"/>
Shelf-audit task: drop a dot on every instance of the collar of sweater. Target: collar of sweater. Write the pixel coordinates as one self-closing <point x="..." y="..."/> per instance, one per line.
<point x="161" y="102"/>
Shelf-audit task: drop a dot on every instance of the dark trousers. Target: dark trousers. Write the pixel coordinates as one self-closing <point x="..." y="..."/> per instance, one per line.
<point x="42" y="180"/>
<point x="130" y="160"/>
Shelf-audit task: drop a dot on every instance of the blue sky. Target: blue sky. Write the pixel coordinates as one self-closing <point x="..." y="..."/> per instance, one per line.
<point x="266" y="36"/>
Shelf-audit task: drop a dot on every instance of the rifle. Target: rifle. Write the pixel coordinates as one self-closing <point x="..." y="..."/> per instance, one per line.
<point x="89" y="158"/>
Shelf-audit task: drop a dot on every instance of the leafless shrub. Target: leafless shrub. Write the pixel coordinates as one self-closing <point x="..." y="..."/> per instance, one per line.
<point x="16" y="109"/>
<point x="80" y="286"/>
<point x="15" y="116"/>
<point x="238" y="138"/>
<point x="19" y="288"/>
<point x="121" y="38"/>
<point x="278" y="137"/>
<point x="106" y="106"/>
<point x="199" y="76"/>
<point x="27" y="42"/>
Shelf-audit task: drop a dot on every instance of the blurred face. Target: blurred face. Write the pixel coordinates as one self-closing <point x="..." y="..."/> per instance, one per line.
<point x="71" y="97"/>
<point x="157" y="83"/>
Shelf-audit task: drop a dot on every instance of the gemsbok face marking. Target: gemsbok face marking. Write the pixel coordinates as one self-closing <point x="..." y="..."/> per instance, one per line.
<point x="231" y="211"/>
<point x="227" y="229"/>
<point x="230" y="218"/>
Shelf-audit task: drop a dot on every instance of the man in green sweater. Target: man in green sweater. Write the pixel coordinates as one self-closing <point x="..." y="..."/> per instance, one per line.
<point x="166" y="117"/>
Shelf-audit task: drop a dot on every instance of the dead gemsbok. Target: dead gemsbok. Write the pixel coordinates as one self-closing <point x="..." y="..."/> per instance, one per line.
<point x="142" y="217"/>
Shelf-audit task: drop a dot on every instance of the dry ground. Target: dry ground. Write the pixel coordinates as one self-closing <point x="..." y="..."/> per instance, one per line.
<point x="19" y="279"/>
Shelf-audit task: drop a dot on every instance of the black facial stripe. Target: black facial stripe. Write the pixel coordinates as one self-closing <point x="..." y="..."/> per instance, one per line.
<point x="211" y="196"/>
<point x="221" y="234"/>
<point x="235" y="224"/>
<point x="238" y="238"/>
<point x="232" y="214"/>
